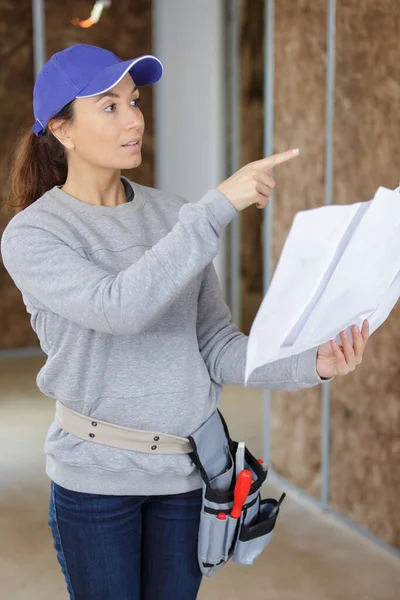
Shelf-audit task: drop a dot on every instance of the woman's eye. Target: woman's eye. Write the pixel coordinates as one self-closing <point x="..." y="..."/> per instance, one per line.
<point x="112" y="107"/>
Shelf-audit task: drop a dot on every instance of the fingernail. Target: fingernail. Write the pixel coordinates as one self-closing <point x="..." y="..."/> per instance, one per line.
<point x="355" y="328"/>
<point x="295" y="151"/>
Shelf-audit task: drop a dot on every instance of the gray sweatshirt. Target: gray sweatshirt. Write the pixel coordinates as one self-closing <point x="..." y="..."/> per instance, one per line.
<point x="127" y="307"/>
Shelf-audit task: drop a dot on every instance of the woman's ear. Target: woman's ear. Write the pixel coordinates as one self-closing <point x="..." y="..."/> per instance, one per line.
<point x="62" y="132"/>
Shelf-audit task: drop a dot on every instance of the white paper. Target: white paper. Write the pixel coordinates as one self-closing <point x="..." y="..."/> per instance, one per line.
<point x="339" y="266"/>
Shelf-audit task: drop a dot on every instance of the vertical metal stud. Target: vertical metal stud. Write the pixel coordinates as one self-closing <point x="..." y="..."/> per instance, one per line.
<point x="38" y="35"/>
<point x="236" y="291"/>
<point x="269" y="66"/>
<point x="330" y="105"/>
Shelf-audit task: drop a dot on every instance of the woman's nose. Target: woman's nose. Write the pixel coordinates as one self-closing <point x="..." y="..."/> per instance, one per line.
<point x="133" y="119"/>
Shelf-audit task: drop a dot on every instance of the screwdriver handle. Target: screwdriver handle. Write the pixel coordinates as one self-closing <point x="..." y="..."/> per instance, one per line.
<point x="241" y="491"/>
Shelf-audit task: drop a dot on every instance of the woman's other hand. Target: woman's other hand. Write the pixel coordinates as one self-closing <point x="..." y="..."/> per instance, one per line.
<point x="333" y="359"/>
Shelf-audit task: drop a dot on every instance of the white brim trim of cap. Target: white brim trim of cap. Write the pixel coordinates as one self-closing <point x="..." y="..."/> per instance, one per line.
<point x="136" y="60"/>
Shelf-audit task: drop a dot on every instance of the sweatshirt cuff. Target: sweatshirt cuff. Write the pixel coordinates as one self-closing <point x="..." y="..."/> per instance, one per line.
<point x="306" y="369"/>
<point x="220" y="207"/>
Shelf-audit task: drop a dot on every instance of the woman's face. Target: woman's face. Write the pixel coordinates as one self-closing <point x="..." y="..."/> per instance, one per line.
<point x="107" y="130"/>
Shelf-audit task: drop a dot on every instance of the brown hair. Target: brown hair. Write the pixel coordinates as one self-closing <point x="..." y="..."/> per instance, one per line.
<point x="38" y="164"/>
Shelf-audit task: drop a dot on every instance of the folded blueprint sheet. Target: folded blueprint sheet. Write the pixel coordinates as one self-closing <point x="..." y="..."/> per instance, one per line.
<point x="339" y="266"/>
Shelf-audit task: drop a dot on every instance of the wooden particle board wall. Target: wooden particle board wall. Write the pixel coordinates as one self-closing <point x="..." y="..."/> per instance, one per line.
<point x="365" y="405"/>
<point x="365" y="427"/>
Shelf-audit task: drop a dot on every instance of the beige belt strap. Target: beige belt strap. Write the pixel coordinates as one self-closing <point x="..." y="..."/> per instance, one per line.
<point x="101" y="432"/>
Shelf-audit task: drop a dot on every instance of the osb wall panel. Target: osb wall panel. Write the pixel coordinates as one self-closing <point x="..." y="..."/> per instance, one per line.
<point x="16" y="82"/>
<point x="365" y="447"/>
<point x="251" y="148"/>
<point x="125" y="29"/>
<point x="299" y="122"/>
<point x="365" y="432"/>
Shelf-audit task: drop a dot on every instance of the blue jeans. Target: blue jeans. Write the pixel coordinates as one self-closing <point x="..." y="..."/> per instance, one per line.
<point x="127" y="547"/>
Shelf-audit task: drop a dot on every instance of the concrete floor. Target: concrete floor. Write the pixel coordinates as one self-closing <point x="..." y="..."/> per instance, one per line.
<point x="311" y="556"/>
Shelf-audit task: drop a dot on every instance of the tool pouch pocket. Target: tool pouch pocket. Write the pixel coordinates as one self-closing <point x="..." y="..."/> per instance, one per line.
<point x="216" y="540"/>
<point x="257" y="534"/>
<point x="219" y="539"/>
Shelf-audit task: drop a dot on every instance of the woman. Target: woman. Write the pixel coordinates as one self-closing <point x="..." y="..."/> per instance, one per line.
<point x="119" y="281"/>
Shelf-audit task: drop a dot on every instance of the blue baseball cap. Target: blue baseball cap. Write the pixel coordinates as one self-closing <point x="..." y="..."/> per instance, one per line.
<point x="81" y="71"/>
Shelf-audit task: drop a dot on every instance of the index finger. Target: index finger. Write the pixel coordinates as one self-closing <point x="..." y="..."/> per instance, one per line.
<point x="277" y="159"/>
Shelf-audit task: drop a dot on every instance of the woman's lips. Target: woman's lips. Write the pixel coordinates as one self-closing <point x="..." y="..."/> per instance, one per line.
<point x="133" y="147"/>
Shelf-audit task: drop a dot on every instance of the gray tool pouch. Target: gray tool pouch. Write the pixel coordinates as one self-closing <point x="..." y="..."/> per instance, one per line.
<point x="220" y="539"/>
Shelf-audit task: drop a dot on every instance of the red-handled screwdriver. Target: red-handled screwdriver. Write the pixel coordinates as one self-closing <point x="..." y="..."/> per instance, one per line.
<point x="241" y="491"/>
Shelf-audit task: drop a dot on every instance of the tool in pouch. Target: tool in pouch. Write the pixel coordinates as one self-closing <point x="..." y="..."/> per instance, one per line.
<point x="234" y="521"/>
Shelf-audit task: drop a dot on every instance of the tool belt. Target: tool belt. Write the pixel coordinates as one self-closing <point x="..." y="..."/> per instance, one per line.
<point x="108" y="434"/>
<point x="221" y="535"/>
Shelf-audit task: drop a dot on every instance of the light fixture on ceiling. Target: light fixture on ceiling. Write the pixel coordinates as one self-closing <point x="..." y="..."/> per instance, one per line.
<point x="94" y="15"/>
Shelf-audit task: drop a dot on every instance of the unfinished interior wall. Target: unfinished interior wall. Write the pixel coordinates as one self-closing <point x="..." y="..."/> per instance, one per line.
<point x="365" y="421"/>
<point x="299" y="122"/>
<point x="16" y="83"/>
<point x="300" y="38"/>
<point x="125" y="29"/>
<point x="365" y="414"/>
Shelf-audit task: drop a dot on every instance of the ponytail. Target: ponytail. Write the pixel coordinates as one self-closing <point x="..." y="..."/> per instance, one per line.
<point x="39" y="163"/>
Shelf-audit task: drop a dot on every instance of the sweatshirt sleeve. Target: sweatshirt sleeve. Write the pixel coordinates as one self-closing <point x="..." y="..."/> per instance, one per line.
<point x="223" y="348"/>
<point x="55" y="277"/>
